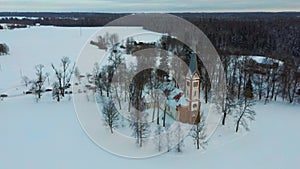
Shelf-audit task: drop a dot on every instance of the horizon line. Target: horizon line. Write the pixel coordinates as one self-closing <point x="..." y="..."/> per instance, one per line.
<point x="169" y="12"/>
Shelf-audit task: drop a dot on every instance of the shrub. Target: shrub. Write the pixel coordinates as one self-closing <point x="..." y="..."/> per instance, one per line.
<point x="4" y="49"/>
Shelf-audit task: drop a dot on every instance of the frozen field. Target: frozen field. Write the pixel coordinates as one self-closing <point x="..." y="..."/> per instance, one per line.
<point x="47" y="134"/>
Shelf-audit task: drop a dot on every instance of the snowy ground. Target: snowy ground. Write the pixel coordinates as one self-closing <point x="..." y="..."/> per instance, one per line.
<point x="48" y="134"/>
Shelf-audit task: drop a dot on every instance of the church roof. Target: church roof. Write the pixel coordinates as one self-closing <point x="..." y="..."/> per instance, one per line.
<point x="193" y="66"/>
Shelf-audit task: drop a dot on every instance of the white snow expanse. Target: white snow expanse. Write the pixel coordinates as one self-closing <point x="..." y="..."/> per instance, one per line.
<point x="47" y="135"/>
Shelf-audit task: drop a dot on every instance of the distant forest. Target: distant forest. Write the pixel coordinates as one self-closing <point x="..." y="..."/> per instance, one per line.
<point x="275" y="35"/>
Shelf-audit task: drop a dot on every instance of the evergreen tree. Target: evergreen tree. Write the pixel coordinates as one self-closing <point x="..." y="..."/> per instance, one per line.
<point x="248" y="91"/>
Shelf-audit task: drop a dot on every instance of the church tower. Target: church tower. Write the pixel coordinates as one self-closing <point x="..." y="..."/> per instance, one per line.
<point x="192" y="88"/>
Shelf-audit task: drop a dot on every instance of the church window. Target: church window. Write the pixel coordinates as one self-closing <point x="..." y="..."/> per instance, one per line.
<point x="195" y="84"/>
<point x="194" y="105"/>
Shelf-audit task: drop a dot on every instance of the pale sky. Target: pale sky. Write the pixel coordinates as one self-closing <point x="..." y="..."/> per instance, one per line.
<point x="148" y="5"/>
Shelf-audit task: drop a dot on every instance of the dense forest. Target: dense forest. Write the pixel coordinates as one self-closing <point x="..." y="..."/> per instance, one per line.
<point x="274" y="35"/>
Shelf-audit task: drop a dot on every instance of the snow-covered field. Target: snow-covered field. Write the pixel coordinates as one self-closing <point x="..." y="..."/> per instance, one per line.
<point x="48" y="135"/>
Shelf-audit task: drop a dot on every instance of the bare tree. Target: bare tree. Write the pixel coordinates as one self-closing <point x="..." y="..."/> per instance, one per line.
<point x="294" y="83"/>
<point x="64" y="74"/>
<point x="106" y="41"/>
<point x="179" y="137"/>
<point x="106" y="78"/>
<point x="113" y="39"/>
<point x="274" y="80"/>
<point x="110" y="115"/>
<point x="25" y="80"/>
<point x="116" y="59"/>
<point x="165" y="114"/>
<point x="198" y="133"/>
<point x="245" y="113"/>
<point x="77" y="74"/>
<point x="56" y="91"/>
<point x="38" y="84"/>
<point x="156" y="107"/>
<point x="228" y="106"/>
<point x="129" y="87"/>
<point x="159" y="132"/>
<point x="129" y="45"/>
<point x="139" y="123"/>
<point x="97" y="75"/>
<point x="206" y="85"/>
<point x="246" y="104"/>
<point x="168" y="138"/>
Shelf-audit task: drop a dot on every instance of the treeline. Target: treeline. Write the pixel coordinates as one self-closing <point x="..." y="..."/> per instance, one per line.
<point x="59" y="19"/>
<point x="274" y="35"/>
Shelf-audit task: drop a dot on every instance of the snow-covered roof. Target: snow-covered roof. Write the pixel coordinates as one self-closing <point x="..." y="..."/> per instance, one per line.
<point x="173" y="102"/>
<point x="182" y="101"/>
<point x="265" y="60"/>
<point x="174" y="92"/>
<point x="148" y="37"/>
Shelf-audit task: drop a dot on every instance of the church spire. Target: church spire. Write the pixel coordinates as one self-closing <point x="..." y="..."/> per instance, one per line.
<point x="193" y="66"/>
